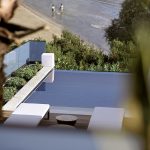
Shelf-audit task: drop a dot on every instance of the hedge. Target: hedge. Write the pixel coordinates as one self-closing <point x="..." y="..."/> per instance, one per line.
<point x="27" y="72"/>
<point x="18" y="79"/>
<point x="8" y="93"/>
<point x="15" y="82"/>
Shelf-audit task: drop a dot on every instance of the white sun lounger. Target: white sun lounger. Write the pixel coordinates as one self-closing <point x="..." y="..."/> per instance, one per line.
<point x="28" y="114"/>
<point x="106" y="119"/>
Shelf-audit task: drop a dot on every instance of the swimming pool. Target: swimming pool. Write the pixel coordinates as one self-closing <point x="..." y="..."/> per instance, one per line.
<point x="84" y="89"/>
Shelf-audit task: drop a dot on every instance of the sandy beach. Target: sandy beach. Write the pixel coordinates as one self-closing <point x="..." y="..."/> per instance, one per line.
<point x="26" y="17"/>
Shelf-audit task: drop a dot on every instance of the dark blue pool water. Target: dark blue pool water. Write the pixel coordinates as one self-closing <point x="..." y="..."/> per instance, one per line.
<point x="84" y="89"/>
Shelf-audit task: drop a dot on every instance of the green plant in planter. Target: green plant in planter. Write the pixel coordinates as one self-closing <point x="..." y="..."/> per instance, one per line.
<point x="19" y="79"/>
<point x="27" y="72"/>
<point x="8" y="93"/>
<point x="35" y="67"/>
<point x="18" y="73"/>
<point x="38" y="66"/>
<point x="15" y="82"/>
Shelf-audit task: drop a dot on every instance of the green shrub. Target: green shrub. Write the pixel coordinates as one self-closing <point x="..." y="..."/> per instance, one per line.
<point x="15" y="82"/>
<point x="8" y="93"/>
<point x="18" y="80"/>
<point x="32" y="67"/>
<point x="71" y="53"/>
<point x="122" y="56"/>
<point x="27" y="72"/>
<point x="66" y="62"/>
<point x="18" y="73"/>
<point x="35" y="67"/>
<point x="132" y="13"/>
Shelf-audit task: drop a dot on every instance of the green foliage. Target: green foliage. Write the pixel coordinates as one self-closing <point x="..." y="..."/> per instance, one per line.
<point x="34" y="67"/>
<point x="15" y="82"/>
<point x="27" y="72"/>
<point x="18" y="80"/>
<point x="122" y="50"/>
<point x="122" y="55"/>
<point x="66" y="62"/>
<point x="8" y="93"/>
<point x="71" y="53"/>
<point x="132" y="12"/>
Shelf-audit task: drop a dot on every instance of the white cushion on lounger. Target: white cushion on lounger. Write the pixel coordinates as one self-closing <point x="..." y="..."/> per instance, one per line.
<point x="106" y="118"/>
<point x="28" y="114"/>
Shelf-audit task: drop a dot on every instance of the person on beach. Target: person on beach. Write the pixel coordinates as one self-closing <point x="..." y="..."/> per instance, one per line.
<point x="61" y="8"/>
<point x="53" y="9"/>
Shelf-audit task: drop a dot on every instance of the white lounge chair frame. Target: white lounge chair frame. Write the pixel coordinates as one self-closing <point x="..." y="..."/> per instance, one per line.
<point x="28" y="114"/>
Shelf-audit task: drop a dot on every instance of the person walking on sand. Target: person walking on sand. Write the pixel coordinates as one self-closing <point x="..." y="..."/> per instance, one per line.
<point x="53" y="9"/>
<point x="61" y="8"/>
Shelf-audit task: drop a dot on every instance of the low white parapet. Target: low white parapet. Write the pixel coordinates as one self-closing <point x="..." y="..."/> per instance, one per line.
<point x="48" y="59"/>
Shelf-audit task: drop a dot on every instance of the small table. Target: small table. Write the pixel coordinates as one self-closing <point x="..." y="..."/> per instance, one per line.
<point x="66" y="119"/>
